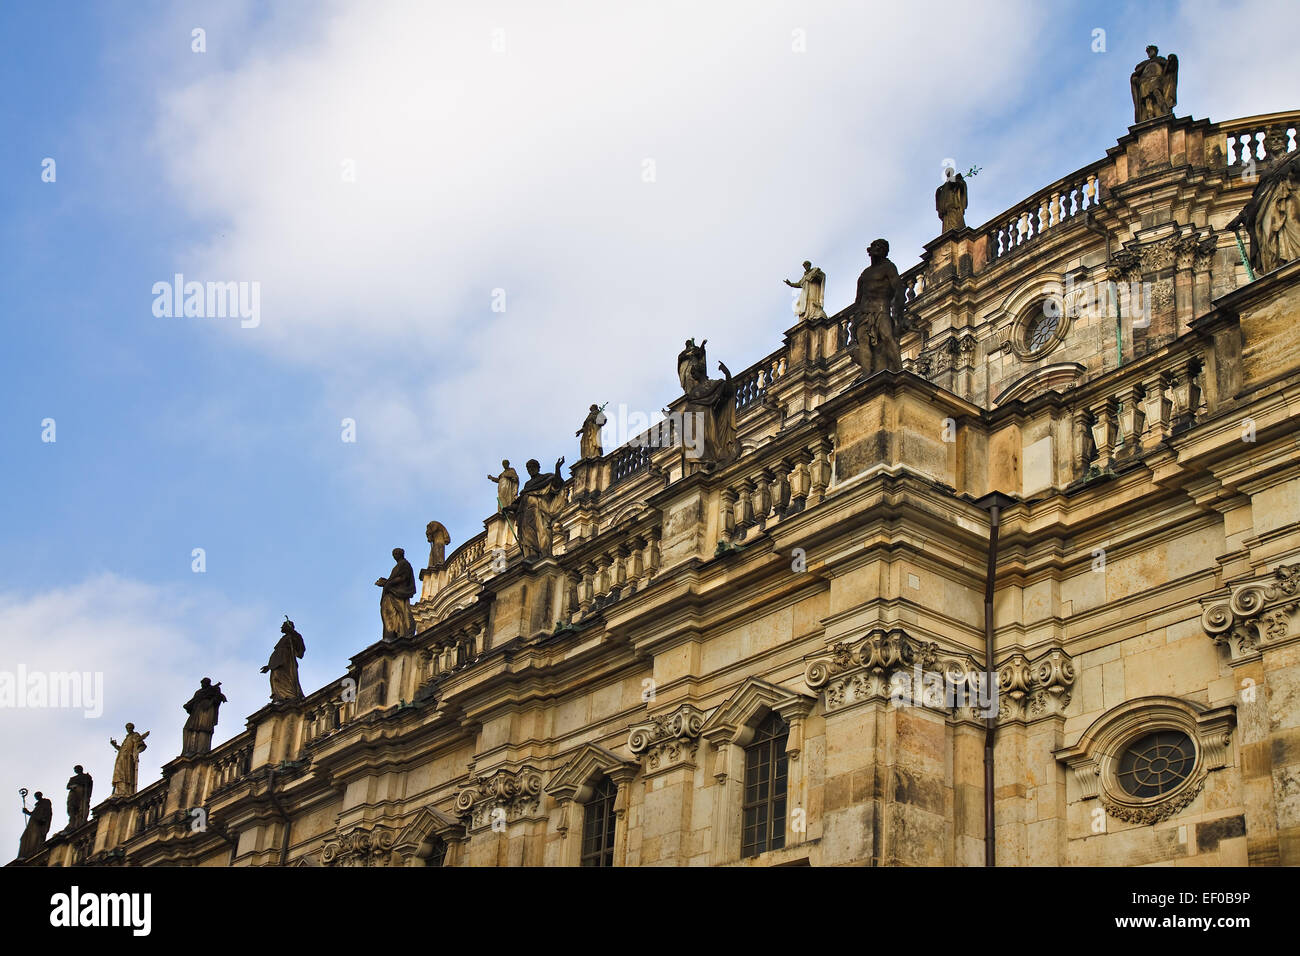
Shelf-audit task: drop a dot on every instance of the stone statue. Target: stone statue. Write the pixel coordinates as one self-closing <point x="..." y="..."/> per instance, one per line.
<point x="812" y="288"/>
<point x="539" y="501"/>
<point x="283" y="665"/>
<point x="1155" y="85"/>
<point x="710" y="405"/>
<point x="202" y="708"/>
<point x="950" y="202"/>
<point x="126" y="767"/>
<point x="38" y="825"/>
<point x="507" y="486"/>
<point x="1272" y="217"/>
<point x="878" y="311"/>
<point x="438" y="539"/>
<point x="589" y="433"/>
<point x="395" y="601"/>
<point x="80" y="786"/>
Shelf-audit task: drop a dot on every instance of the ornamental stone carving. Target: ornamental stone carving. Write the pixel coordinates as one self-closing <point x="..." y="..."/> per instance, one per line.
<point x="668" y="740"/>
<point x="500" y="797"/>
<point x="1259" y="613"/>
<point x="1095" y="759"/>
<point x="360" y="847"/>
<point x="890" y="665"/>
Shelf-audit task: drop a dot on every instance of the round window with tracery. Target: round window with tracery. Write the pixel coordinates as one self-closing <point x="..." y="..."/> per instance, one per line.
<point x="1040" y="332"/>
<point x="1155" y="764"/>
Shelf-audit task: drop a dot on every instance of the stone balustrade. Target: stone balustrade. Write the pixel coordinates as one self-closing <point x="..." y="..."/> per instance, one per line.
<point x="1141" y="412"/>
<point x="752" y="384"/>
<point x="1058" y="204"/>
<point x="621" y="568"/>
<point x="149" y="804"/>
<point x="231" y="763"/>
<point x="1259" y="138"/>
<point x="770" y="491"/>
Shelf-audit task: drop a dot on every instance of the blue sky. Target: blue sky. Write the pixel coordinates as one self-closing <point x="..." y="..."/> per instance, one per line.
<point x="520" y="168"/>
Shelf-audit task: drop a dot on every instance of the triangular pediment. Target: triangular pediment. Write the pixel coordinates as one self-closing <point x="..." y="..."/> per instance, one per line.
<point x="586" y="765"/>
<point x="429" y="823"/>
<point x="735" y="719"/>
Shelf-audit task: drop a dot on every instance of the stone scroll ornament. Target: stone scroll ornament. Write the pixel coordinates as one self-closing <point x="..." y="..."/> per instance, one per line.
<point x="1256" y="615"/>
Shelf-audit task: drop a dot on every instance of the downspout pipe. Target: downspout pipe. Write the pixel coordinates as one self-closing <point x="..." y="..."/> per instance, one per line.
<point x="994" y="503"/>
<point x="288" y="823"/>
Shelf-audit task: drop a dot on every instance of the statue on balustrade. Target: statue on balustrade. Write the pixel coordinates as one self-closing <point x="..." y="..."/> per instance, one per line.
<point x="80" y="786"/>
<point x="283" y="665"/>
<point x="1272" y="217"/>
<point x="507" y="486"/>
<point x="202" y="708"/>
<point x="589" y="434"/>
<point x="126" y="768"/>
<point x="1155" y="86"/>
<point x="395" y="601"/>
<point x="38" y="825"/>
<point x="438" y="539"/>
<point x="812" y="288"/>
<point x="877" y="313"/>
<point x="535" y="510"/>
<point x="710" y="408"/>
<point x="950" y="200"/>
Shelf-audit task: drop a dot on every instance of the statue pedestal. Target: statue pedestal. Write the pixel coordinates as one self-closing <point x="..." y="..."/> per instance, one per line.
<point x="529" y="598"/>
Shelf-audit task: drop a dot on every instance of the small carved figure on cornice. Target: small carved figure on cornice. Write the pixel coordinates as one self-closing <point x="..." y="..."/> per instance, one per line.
<point x="438" y="539"/>
<point x="126" y="767"/>
<point x="507" y="485"/>
<point x="196" y="738"/>
<point x="878" y="314"/>
<point x="1154" y="85"/>
<point x="950" y="200"/>
<point x="811" y="290"/>
<point x="1272" y="217"/>
<point x="283" y="665"/>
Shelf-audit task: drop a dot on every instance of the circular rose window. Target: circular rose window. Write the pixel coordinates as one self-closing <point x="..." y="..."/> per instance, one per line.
<point x="1155" y="764"/>
<point x="1040" y="332"/>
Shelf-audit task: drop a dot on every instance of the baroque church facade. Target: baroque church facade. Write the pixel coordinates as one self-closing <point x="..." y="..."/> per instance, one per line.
<point x="1089" y="463"/>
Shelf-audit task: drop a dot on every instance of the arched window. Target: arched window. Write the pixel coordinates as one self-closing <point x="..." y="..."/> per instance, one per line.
<point x="598" y="825"/>
<point x="765" y="794"/>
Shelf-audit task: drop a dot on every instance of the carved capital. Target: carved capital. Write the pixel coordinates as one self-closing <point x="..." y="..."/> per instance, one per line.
<point x="668" y="740"/>
<point x="500" y="797"/>
<point x="1258" y="614"/>
<point x="361" y="846"/>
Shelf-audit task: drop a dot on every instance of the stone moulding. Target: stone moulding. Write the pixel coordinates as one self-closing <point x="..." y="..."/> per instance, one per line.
<point x="500" y="797"/>
<point x="573" y="782"/>
<point x="1095" y="758"/>
<point x="362" y="846"/>
<point x="418" y="836"/>
<point x="888" y="664"/>
<point x="668" y="740"/>
<point x="1257" y="614"/>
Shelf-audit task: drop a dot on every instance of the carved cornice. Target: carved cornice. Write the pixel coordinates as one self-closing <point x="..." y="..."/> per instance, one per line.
<point x="1257" y="615"/>
<point x="362" y="846"/>
<point x="500" y="797"/>
<point x="668" y="740"/>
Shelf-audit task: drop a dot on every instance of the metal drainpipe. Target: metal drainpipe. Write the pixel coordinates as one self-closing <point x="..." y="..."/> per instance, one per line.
<point x="992" y="503"/>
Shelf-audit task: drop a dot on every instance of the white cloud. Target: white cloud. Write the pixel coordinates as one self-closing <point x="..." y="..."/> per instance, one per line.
<point x="523" y="170"/>
<point x="152" y="647"/>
